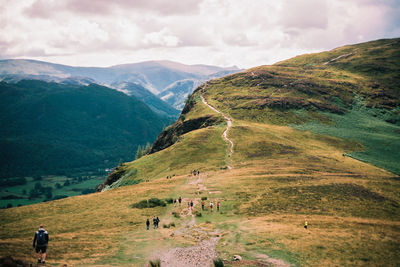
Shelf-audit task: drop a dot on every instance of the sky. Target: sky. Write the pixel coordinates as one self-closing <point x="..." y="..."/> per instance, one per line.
<point x="214" y="32"/>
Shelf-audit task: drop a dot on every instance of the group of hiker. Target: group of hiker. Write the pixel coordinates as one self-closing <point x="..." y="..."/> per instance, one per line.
<point x="156" y="221"/>
<point x="176" y="201"/>
<point x="211" y="205"/>
<point x="194" y="172"/>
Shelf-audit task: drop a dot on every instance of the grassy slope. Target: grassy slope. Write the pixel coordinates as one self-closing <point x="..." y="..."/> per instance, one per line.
<point x="281" y="177"/>
<point x="326" y="98"/>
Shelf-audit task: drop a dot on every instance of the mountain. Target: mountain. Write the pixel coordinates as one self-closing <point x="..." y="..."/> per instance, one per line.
<point x="144" y="95"/>
<point x="51" y="128"/>
<point x="178" y="91"/>
<point x="155" y="76"/>
<point x="276" y="146"/>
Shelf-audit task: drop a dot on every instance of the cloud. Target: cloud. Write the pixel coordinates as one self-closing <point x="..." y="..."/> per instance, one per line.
<point x="223" y="32"/>
<point x="50" y="8"/>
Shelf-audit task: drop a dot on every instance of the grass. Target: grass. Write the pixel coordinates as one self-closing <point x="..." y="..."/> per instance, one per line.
<point x="380" y="139"/>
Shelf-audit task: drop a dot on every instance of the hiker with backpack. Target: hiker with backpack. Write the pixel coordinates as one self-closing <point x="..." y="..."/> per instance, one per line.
<point x="218" y="206"/>
<point x="40" y="242"/>
<point x="147" y="223"/>
<point x="211" y="206"/>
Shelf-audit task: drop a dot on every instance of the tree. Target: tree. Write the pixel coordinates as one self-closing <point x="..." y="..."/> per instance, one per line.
<point x="38" y="187"/>
<point x="37" y="178"/>
<point x="139" y="152"/>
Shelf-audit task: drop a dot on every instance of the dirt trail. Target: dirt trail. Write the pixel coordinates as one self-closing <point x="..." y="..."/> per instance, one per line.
<point x="229" y="125"/>
<point x="205" y="251"/>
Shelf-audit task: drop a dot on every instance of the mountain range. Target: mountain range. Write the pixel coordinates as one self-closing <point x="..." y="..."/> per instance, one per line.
<point x="155" y="76"/>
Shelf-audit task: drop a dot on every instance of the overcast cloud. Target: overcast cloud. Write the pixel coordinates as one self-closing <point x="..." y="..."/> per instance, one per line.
<point x="216" y="32"/>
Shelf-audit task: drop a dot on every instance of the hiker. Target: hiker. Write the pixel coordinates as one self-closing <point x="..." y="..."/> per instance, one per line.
<point x="180" y="200"/>
<point x="191" y="204"/>
<point x="211" y="206"/>
<point x="154" y="222"/>
<point x="305" y="225"/>
<point x="198" y="172"/>
<point x="218" y="206"/>
<point x="157" y="221"/>
<point x="202" y="205"/>
<point x="40" y="242"/>
<point x="175" y="202"/>
<point x="148" y="223"/>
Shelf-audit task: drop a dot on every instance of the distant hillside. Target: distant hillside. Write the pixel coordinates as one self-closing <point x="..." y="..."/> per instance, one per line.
<point x="176" y="93"/>
<point x="51" y="128"/>
<point x="155" y="76"/>
<point x="144" y="95"/>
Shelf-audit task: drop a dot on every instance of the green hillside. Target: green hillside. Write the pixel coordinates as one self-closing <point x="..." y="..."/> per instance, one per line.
<point x="51" y="128"/>
<point x="277" y="176"/>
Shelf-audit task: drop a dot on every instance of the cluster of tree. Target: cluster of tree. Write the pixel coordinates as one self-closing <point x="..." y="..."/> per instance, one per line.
<point x="13" y="182"/>
<point x="40" y="191"/>
<point x="142" y="150"/>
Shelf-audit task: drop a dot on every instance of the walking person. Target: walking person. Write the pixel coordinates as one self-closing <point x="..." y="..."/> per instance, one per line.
<point x="157" y="221"/>
<point x="40" y="242"/>
<point x="148" y="224"/>
<point x="218" y="206"/>
<point x="202" y="205"/>
<point x="154" y="222"/>
<point x="305" y="225"/>
<point x="191" y="204"/>
<point x="211" y="206"/>
<point x="180" y="200"/>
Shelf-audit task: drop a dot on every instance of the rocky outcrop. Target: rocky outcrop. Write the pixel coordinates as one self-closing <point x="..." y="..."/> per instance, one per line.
<point x="112" y="177"/>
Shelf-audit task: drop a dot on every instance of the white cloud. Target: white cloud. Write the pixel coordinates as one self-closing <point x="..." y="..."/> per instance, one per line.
<point x="220" y="32"/>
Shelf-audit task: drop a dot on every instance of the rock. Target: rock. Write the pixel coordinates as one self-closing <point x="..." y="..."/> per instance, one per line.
<point x="237" y="258"/>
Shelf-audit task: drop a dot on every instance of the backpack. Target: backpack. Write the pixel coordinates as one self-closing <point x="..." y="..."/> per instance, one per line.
<point x="41" y="238"/>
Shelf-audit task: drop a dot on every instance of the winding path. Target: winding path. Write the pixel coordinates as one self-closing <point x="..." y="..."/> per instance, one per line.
<point x="225" y="133"/>
<point x="201" y="254"/>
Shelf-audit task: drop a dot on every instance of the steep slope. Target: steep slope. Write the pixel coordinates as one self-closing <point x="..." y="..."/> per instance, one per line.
<point x="281" y="177"/>
<point x="50" y="128"/>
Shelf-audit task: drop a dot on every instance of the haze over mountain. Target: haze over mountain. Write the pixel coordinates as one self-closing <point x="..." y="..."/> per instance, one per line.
<point x="155" y="76"/>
